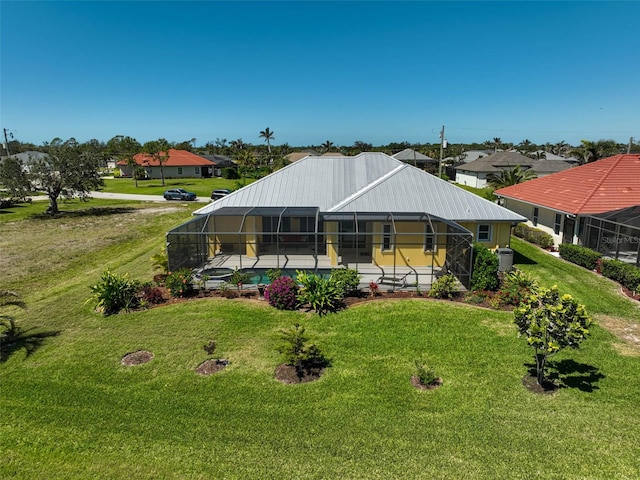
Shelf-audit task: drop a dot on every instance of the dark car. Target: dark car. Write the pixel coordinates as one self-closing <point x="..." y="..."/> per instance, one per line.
<point x="179" y="194"/>
<point x="219" y="193"/>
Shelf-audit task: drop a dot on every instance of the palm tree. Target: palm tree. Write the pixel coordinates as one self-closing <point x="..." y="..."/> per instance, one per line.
<point x="159" y="151"/>
<point x="510" y="177"/>
<point x="525" y="146"/>
<point x="497" y="141"/>
<point x="268" y="136"/>
<point x="326" y="146"/>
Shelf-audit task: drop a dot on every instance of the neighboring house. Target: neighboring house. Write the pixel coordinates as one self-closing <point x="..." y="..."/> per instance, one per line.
<point x="417" y="159"/>
<point x="295" y="156"/>
<point x="370" y="212"/>
<point x="219" y="162"/>
<point x="28" y="158"/>
<point x="562" y="203"/>
<point x="179" y="164"/>
<point x="475" y="173"/>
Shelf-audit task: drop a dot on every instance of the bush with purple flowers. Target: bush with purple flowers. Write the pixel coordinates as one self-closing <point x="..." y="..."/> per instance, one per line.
<point x="282" y="293"/>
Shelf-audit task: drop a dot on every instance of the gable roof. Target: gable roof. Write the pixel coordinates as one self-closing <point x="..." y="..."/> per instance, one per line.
<point x="220" y="160"/>
<point x="369" y="182"/>
<point x="409" y="155"/>
<point x="497" y="162"/>
<point x="601" y="186"/>
<point x="177" y="158"/>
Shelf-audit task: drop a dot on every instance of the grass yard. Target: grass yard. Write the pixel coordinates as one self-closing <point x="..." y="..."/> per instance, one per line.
<point x="202" y="187"/>
<point x="71" y="410"/>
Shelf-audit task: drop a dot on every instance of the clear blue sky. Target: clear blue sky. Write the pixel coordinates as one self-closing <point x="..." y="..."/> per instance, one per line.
<point x="315" y="71"/>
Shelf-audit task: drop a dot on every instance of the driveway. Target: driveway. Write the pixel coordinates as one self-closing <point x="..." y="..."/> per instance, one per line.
<point x="134" y="196"/>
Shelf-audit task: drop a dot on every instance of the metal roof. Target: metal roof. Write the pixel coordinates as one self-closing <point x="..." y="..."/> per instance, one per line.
<point x="368" y="182"/>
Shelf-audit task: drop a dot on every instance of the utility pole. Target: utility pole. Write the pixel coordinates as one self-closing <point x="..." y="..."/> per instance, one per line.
<point x="6" y="142"/>
<point x="630" y="144"/>
<point x="442" y="140"/>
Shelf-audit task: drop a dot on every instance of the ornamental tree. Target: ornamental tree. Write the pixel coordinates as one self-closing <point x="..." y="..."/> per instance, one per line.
<point x="551" y="322"/>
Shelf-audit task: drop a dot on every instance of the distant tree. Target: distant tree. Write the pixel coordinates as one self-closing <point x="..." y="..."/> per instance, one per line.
<point x="496" y="143"/>
<point x="124" y="149"/>
<point x="327" y="146"/>
<point x="509" y="177"/>
<point x="186" y="145"/>
<point x="268" y="136"/>
<point x="66" y="171"/>
<point x="362" y="146"/>
<point x="14" y="179"/>
<point x="525" y="147"/>
<point x="550" y="323"/>
<point x="590" y="151"/>
<point x="159" y="151"/>
<point x="237" y="145"/>
<point x="560" y="148"/>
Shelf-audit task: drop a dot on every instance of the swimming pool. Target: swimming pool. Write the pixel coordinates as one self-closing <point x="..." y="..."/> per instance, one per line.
<point x="257" y="276"/>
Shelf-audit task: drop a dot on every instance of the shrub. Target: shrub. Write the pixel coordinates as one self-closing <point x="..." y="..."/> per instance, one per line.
<point x="115" y="292"/>
<point x="226" y="292"/>
<point x="583" y="256"/>
<point x="346" y="279"/>
<point x="282" y="293"/>
<point x="444" y="287"/>
<point x="239" y="278"/>
<point x="624" y="273"/>
<point x="160" y="261"/>
<point x="425" y="374"/>
<point x="321" y="294"/>
<point x="515" y="288"/>
<point x="273" y="273"/>
<point x="485" y="269"/>
<point x="151" y="294"/>
<point x="533" y="235"/>
<point x="374" y="289"/>
<point x="210" y="347"/>
<point x="230" y="173"/>
<point x="180" y="282"/>
<point x="299" y="353"/>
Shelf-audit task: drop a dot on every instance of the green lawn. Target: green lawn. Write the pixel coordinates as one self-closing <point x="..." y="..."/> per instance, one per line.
<point x="70" y="410"/>
<point x="200" y="186"/>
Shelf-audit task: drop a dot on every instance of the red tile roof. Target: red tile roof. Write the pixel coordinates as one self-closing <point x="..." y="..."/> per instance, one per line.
<point x="177" y="158"/>
<point x="608" y="184"/>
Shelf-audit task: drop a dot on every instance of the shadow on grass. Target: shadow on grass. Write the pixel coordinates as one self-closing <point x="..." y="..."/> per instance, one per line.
<point x="85" y="212"/>
<point x="520" y="259"/>
<point x="571" y="374"/>
<point x="18" y="339"/>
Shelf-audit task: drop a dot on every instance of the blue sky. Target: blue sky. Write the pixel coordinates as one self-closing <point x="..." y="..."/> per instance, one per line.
<point x="377" y="72"/>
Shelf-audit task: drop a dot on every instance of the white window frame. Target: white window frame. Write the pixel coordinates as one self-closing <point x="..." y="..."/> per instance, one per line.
<point x="387" y="237"/>
<point x="430" y="236"/>
<point x="489" y="232"/>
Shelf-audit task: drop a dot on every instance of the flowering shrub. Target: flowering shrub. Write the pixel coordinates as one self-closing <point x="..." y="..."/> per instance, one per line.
<point x="373" y="289"/>
<point x="180" y="282"/>
<point x="282" y="293"/>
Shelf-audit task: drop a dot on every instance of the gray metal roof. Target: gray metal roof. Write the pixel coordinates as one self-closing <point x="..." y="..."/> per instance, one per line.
<point x="368" y="182"/>
<point x="409" y="155"/>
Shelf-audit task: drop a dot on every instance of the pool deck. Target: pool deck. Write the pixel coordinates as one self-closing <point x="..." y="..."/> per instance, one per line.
<point x="400" y="278"/>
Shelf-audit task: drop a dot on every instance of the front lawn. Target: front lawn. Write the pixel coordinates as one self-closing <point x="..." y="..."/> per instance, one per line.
<point x="71" y="410"/>
<point x="202" y="187"/>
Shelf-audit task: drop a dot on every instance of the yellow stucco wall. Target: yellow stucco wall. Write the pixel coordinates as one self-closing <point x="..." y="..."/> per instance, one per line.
<point x="408" y="243"/>
<point x="500" y="233"/>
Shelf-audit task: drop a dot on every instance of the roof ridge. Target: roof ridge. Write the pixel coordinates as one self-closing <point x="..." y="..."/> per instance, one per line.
<point x="369" y="186"/>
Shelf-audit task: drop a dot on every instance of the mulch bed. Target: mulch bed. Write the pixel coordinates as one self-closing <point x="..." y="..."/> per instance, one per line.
<point x="137" y="358"/>
<point x="211" y="366"/>
<point x="287" y="374"/>
<point x="531" y="383"/>
<point x="415" y="381"/>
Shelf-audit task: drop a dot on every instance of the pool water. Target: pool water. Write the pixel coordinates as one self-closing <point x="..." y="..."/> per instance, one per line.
<point x="256" y="275"/>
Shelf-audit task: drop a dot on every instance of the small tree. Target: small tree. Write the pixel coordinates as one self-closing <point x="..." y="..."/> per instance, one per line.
<point x="299" y="353"/>
<point x="551" y="322"/>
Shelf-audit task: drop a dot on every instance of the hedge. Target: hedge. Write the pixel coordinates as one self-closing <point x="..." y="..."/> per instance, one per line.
<point x="585" y="257"/>
<point x="624" y="273"/>
<point x="533" y="235"/>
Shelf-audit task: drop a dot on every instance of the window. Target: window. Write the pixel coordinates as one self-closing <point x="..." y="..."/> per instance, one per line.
<point x="179" y="170"/>
<point x="429" y="239"/>
<point x="556" y="224"/>
<point x="536" y="213"/>
<point x="484" y="232"/>
<point x="387" y="243"/>
<point x="197" y="170"/>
